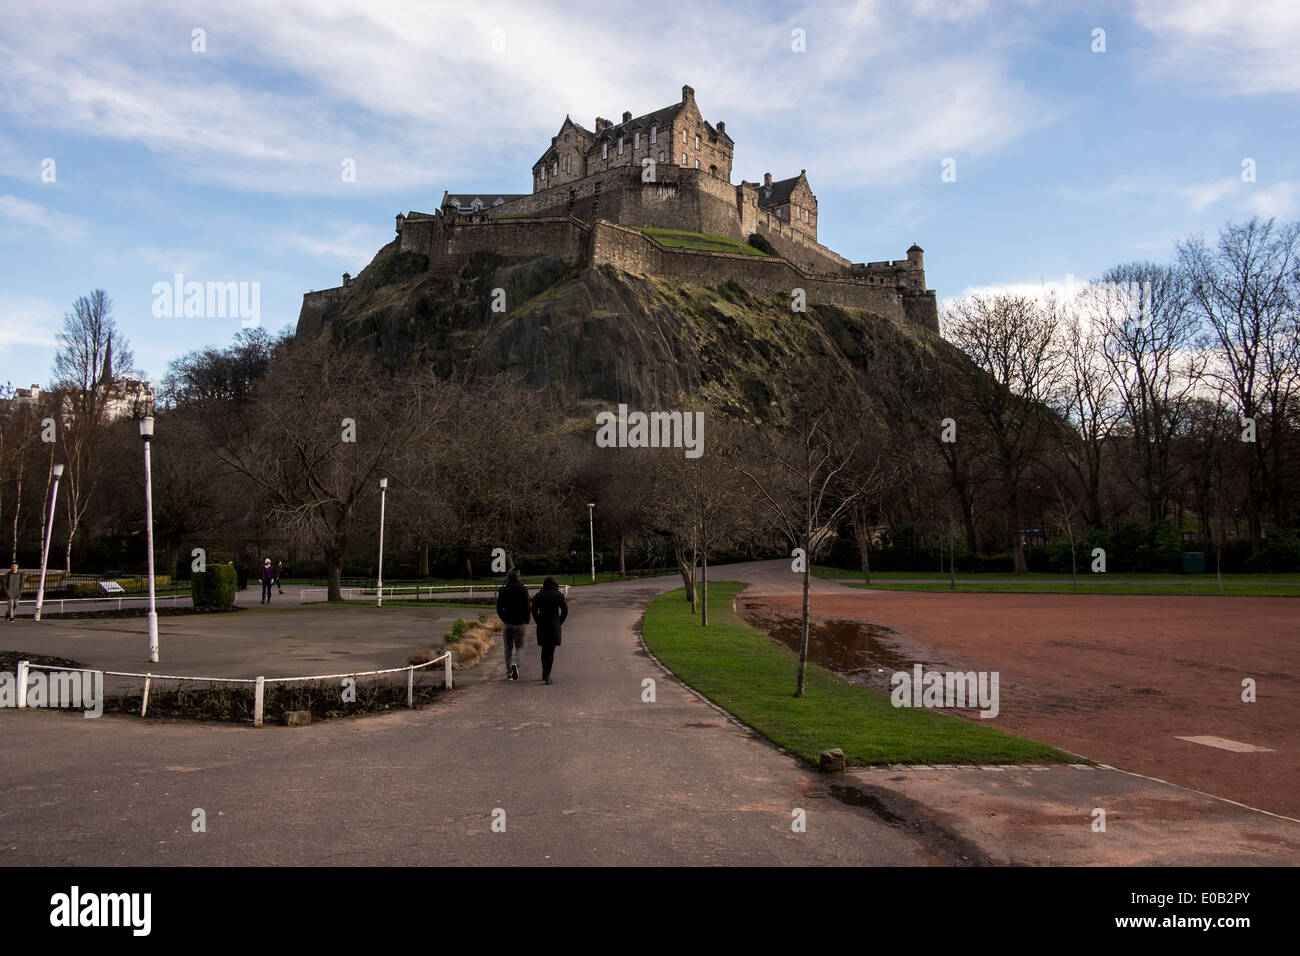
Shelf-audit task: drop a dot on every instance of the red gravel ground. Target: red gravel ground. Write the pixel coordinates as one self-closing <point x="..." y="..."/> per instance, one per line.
<point x="1115" y="678"/>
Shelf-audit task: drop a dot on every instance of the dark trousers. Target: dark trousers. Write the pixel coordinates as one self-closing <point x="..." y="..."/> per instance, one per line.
<point x="266" y="591"/>
<point x="548" y="658"/>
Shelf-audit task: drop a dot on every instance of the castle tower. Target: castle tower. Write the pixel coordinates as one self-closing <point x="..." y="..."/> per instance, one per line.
<point x="916" y="256"/>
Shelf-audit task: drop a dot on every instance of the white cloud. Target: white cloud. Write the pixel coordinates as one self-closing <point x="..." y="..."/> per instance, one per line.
<point x="1280" y="200"/>
<point x="30" y="215"/>
<point x="30" y="322"/>
<point x="1202" y="195"/>
<point x="1225" y="48"/>
<point x="418" y="95"/>
<point x="348" y="246"/>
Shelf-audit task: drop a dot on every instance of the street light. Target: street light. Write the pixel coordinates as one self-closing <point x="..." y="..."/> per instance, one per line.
<point x="379" y="591"/>
<point x="146" y="435"/>
<point x="591" y="526"/>
<point x="49" y="532"/>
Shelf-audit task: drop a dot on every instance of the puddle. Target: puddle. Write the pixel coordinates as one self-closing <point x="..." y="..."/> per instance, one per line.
<point x="858" y="650"/>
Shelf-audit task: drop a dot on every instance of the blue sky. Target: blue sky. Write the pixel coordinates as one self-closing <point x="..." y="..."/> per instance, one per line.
<point x="226" y="165"/>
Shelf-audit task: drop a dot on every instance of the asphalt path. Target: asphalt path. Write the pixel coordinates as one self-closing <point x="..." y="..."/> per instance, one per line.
<point x="582" y="772"/>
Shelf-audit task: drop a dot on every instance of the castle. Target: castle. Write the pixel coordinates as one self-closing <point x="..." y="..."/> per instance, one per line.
<point x="595" y="191"/>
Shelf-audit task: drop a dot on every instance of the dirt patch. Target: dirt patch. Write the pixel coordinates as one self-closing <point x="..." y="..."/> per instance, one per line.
<point x="1114" y="678"/>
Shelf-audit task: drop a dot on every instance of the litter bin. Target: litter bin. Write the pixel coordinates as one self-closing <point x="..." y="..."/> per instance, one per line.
<point x="1193" y="562"/>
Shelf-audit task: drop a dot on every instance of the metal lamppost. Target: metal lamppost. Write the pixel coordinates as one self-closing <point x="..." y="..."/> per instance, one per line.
<point x="49" y="533"/>
<point x="379" y="591"/>
<point x="146" y="434"/>
<point x="591" y="526"/>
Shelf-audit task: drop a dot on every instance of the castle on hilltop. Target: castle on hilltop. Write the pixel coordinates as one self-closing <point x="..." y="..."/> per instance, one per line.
<point x="598" y="195"/>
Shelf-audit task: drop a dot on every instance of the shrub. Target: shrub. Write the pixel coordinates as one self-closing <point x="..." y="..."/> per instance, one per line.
<point x="214" y="587"/>
<point x="457" y="630"/>
<point x="761" y="244"/>
<point x="1281" y="553"/>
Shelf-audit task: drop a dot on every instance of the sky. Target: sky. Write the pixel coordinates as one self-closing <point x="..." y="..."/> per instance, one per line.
<point x="142" y="140"/>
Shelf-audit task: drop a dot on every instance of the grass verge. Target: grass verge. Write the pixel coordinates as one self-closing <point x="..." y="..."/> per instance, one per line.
<point x="751" y="676"/>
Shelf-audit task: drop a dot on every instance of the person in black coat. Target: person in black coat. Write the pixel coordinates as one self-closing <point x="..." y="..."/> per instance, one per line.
<point x="549" y="612"/>
<point x="513" y="607"/>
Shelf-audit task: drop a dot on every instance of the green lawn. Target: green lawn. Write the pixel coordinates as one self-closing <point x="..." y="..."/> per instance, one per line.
<point x="708" y="242"/>
<point x="753" y="677"/>
<point x="1237" y="585"/>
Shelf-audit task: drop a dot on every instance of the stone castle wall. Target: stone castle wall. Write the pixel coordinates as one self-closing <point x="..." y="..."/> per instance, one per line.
<point x="580" y="233"/>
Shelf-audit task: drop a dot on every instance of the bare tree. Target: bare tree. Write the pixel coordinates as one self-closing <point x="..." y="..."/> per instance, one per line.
<point x="1245" y="290"/>
<point x="800" y="474"/>
<point x="93" y="356"/>
<point x="1087" y="397"/>
<point x="317" y="433"/>
<point x="1013" y="340"/>
<point x="1148" y="335"/>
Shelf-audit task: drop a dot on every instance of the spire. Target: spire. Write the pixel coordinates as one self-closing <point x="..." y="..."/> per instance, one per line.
<point x="107" y="378"/>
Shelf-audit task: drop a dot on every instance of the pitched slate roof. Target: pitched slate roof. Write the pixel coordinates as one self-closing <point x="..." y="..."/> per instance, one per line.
<point x="663" y="117"/>
<point x="777" y="193"/>
<point x="465" y="201"/>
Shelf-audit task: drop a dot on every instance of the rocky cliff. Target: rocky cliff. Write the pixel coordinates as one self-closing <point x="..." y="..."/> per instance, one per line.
<point x="596" y="336"/>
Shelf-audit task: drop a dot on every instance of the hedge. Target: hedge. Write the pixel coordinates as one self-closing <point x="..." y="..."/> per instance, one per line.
<point x="214" y="587"/>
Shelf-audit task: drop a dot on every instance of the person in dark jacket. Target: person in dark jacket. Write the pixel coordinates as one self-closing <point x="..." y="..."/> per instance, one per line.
<point x="13" y="592"/>
<point x="279" y="568"/>
<point x="513" y="609"/>
<point x="268" y="577"/>
<point x="549" y="611"/>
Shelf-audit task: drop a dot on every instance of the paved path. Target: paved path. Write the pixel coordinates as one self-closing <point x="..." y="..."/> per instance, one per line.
<point x="585" y="771"/>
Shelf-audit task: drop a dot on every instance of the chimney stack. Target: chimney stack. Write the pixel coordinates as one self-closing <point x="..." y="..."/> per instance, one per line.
<point x="722" y="127"/>
<point x="627" y="115"/>
<point x="688" y="94"/>
<point x="767" y="179"/>
<point x="602" y="123"/>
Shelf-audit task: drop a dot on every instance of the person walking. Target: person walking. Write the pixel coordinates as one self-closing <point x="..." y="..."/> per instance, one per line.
<point x="268" y="578"/>
<point x="513" y="609"/>
<point x="13" y="591"/>
<point x="550" y="610"/>
<point x="279" y="567"/>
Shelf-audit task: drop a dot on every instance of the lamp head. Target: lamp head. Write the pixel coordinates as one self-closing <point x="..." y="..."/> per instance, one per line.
<point x="383" y="482"/>
<point x="146" y="428"/>
<point x="58" y="471"/>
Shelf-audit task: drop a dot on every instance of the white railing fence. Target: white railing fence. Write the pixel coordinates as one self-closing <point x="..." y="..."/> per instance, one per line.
<point x="107" y="599"/>
<point x="259" y="683"/>
<point x="350" y="594"/>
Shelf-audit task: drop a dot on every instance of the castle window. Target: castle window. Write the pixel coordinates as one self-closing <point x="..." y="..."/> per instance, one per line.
<point x="620" y="145"/>
<point x="661" y="155"/>
<point x="697" y="164"/>
<point x="636" y="140"/>
<point x="654" y="134"/>
<point x="684" y="161"/>
<point x="604" y="150"/>
<point x="697" y="140"/>
<point x="555" y="169"/>
<point x="683" y="137"/>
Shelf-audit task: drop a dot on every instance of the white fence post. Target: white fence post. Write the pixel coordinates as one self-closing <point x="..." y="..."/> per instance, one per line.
<point x="410" y="687"/>
<point x="446" y="672"/>
<point x="144" y="698"/>
<point x="22" y="683"/>
<point x="258" y="698"/>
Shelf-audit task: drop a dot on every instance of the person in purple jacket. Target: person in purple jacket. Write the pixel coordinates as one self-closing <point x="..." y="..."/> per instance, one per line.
<point x="268" y="578"/>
